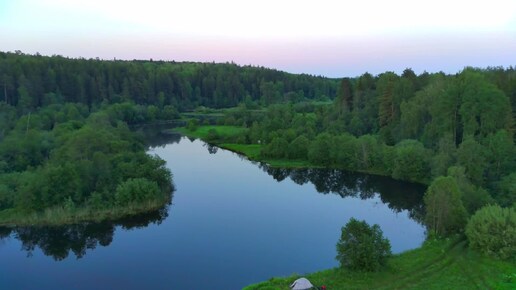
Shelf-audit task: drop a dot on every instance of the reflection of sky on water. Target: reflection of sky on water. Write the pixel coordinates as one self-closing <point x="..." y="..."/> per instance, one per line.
<point x="230" y="224"/>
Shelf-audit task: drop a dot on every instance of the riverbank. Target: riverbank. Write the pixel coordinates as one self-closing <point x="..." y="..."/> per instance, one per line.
<point x="251" y="151"/>
<point x="61" y="216"/>
<point x="226" y="134"/>
<point x="438" y="264"/>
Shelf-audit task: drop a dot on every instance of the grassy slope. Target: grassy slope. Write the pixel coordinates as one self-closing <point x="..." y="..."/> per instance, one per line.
<point x="438" y="264"/>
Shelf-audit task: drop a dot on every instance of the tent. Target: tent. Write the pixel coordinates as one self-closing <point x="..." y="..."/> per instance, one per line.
<point x="301" y="284"/>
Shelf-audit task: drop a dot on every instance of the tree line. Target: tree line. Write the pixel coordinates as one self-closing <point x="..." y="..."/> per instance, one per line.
<point x="31" y="81"/>
<point x="452" y="132"/>
<point x="414" y="128"/>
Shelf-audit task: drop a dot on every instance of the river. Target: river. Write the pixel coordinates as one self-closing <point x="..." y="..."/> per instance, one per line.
<point x="232" y="222"/>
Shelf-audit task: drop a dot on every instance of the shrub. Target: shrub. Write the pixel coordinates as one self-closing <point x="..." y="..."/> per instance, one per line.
<point x="192" y="125"/>
<point x="212" y="136"/>
<point x="298" y="148"/>
<point x="277" y="148"/>
<point x="136" y="190"/>
<point x="492" y="231"/>
<point x="362" y="247"/>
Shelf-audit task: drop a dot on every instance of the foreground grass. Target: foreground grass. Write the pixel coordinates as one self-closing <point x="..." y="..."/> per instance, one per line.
<point x="61" y="216"/>
<point x="438" y="264"/>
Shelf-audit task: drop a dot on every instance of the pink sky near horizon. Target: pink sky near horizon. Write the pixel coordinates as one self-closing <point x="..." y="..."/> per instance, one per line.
<point x="297" y="47"/>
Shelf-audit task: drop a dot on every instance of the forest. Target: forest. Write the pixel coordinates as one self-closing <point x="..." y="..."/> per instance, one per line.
<point x="65" y="140"/>
<point x="453" y="133"/>
<point x="409" y="127"/>
<point x="66" y="151"/>
<point x="32" y="81"/>
<point x="69" y="151"/>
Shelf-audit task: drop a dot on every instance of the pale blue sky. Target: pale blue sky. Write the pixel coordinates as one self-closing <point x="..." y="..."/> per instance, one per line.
<point x="332" y="38"/>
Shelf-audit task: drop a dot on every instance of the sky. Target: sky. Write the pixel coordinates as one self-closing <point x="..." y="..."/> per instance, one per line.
<point x="329" y="38"/>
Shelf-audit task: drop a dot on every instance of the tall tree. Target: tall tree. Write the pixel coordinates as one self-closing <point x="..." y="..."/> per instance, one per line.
<point x="344" y="98"/>
<point x="386" y="90"/>
<point x="445" y="213"/>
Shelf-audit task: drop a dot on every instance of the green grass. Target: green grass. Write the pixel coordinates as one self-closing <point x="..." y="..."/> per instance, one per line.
<point x="252" y="151"/>
<point x="202" y="131"/>
<point x="438" y="264"/>
<point x="288" y="163"/>
<point x="61" y="216"/>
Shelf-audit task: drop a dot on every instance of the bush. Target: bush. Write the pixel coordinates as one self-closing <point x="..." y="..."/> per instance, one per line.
<point x="212" y="136"/>
<point x="276" y="149"/>
<point x="362" y="247"/>
<point x="136" y="190"/>
<point x="298" y="148"/>
<point x="192" y="125"/>
<point x="492" y="231"/>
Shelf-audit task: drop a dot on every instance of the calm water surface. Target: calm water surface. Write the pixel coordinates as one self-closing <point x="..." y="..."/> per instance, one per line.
<point x="232" y="222"/>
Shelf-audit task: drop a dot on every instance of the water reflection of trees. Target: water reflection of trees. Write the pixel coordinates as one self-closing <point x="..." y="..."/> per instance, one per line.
<point x="158" y="135"/>
<point x="59" y="241"/>
<point x="397" y="195"/>
<point x="212" y="149"/>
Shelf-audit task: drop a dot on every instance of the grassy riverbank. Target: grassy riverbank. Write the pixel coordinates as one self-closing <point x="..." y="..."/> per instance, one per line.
<point x="62" y="216"/>
<point x="438" y="264"/>
<point x="203" y="132"/>
<point x="253" y="151"/>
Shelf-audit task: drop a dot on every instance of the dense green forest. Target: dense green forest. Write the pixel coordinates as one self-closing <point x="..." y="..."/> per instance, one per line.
<point x="65" y="164"/>
<point x="409" y="127"/>
<point x="66" y="117"/>
<point x="454" y="133"/>
<point x="66" y="152"/>
<point x="34" y="81"/>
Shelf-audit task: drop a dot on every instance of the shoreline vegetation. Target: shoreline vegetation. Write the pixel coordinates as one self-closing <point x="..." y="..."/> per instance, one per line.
<point x="438" y="264"/>
<point x="66" y="146"/>
<point x="58" y="216"/>
<point x="253" y="151"/>
<point x="85" y="167"/>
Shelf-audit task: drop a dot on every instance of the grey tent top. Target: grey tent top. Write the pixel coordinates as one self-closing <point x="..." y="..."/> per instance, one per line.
<point x="301" y="284"/>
